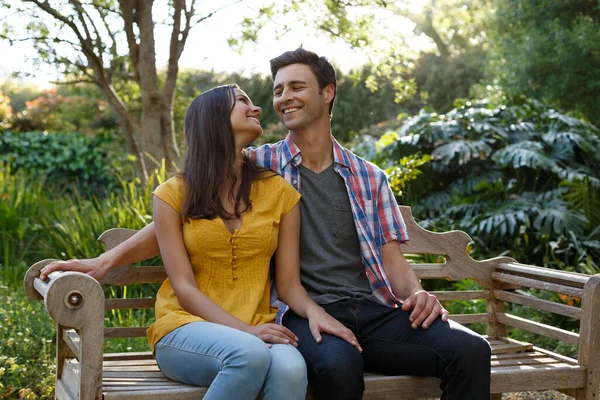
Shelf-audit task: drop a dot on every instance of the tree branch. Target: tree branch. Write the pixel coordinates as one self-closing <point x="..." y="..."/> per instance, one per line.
<point x="212" y="13"/>
<point x="127" y="12"/>
<point x="93" y="60"/>
<point x="73" y="82"/>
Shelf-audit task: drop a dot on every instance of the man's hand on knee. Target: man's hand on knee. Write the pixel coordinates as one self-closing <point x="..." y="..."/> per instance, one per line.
<point x="425" y="307"/>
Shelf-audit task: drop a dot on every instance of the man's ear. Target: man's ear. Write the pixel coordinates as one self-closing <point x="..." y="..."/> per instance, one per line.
<point x="329" y="93"/>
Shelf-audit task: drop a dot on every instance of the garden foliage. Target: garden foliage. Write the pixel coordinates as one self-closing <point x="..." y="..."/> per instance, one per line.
<point x="68" y="161"/>
<point x="517" y="175"/>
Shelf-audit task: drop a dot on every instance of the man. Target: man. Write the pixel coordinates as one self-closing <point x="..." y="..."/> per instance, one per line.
<point x="351" y="262"/>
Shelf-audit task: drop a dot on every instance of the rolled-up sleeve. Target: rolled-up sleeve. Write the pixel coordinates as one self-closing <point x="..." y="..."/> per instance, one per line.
<point x="390" y="219"/>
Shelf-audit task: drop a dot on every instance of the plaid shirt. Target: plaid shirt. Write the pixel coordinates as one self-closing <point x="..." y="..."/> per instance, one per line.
<point x="376" y="214"/>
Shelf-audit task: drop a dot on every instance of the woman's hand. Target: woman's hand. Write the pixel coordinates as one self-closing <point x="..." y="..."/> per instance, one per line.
<point x="94" y="267"/>
<point x="319" y="321"/>
<point x="273" y="334"/>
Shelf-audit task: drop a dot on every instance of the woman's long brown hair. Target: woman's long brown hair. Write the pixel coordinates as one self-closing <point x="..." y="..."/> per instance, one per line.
<point x="211" y="157"/>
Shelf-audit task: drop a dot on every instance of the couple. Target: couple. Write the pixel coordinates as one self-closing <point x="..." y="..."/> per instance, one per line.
<point x="347" y="301"/>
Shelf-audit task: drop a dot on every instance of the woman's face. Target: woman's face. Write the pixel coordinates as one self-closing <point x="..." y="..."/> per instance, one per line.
<point x="244" y="119"/>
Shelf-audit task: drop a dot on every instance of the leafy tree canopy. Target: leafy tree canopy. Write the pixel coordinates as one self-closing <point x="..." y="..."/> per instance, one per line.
<point x="450" y="33"/>
<point x="548" y="50"/>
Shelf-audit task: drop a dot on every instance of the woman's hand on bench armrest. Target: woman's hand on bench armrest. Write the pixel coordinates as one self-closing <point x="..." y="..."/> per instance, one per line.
<point x="95" y="267"/>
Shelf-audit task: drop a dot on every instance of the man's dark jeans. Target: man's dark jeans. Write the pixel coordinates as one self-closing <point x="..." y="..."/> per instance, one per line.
<point x="449" y="351"/>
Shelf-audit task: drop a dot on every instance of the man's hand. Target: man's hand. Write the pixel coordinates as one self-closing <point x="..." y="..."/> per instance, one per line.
<point x="94" y="267"/>
<point x="425" y="309"/>
<point x="273" y="334"/>
<point x="319" y="321"/>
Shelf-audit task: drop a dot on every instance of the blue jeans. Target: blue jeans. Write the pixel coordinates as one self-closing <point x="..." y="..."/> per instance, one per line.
<point x="235" y="364"/>
<point x="449" y="351"/>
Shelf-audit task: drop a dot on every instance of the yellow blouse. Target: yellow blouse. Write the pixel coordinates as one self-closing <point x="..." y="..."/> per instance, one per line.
<point x="232" y="269"/>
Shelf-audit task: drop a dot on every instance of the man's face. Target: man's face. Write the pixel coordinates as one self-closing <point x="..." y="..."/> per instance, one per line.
<point x="296" y="98"/>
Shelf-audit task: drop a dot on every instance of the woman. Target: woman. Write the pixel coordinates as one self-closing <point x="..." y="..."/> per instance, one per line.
<point x="218" y="223"/>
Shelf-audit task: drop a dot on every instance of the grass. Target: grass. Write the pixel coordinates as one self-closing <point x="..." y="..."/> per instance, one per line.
<point x="37" y="222"/>
<point x="26" y="346"/>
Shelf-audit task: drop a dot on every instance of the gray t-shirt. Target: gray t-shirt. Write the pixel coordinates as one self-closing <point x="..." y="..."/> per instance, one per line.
<point x="330" y="261"/>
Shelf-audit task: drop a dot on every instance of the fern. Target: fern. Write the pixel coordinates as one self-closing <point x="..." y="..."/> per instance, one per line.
<point x="583" y="196"/>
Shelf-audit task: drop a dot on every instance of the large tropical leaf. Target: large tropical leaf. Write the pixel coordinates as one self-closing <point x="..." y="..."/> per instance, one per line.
<point x="525" y="154"/>
<point x="555" y="217"/>
<point x="462" y="150"/>
<point x="501" y="222"/>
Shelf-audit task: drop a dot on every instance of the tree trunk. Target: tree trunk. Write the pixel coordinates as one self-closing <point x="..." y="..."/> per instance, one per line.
<point x="158" y="138"/>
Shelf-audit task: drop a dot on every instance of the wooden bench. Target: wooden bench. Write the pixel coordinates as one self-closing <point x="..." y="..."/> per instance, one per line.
<point x="77" y="304"/>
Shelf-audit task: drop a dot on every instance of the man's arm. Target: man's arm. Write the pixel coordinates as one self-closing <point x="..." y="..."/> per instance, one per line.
<point x="141" y="246"/>
<point x="405" y="284"/>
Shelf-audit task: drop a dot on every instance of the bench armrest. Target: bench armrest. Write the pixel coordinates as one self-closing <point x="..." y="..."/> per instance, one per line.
<point x="75" y="301"/>
<point x="71" y="298"/>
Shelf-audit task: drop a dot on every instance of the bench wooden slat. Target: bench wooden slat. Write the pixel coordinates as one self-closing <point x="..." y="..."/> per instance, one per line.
<point x="73" y="341"/>
<point x="469" y="318"/>
<point x="110" y="380"/>
<point x="116" y="332"/>
<point x="510" y="348"/>
<point x="523" y="361"/>
<point x="537" y="377"/>
<point x="560" y="357"/>
<point x="120" y="304"/>
<point x="540" y="304"/>
<point x="132" y="386"/>
<point x="430" y="271"/>
<point x="132" y="374"/>
<point x="540" y="329"/>
<point x="514" y="356"/>
<point x="537" y="284"/>
<point x="128" y="274"/>
<point x="507" y="345"/>
<point x="69" y="382"/>
<point x="182" y="393"/>
<point x="379" y="387"/>
<point x="132" y="368"/>
<point x="117" y="363"/>
<point x="134" y="355"/>
<point x="561" y="277"/>
<point x="461" y="295"/>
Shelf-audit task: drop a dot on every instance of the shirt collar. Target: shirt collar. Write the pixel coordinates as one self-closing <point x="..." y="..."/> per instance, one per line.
<point x="289" y="151"/>
<point x="292" y="152"/>
<point x="339" y="155"/>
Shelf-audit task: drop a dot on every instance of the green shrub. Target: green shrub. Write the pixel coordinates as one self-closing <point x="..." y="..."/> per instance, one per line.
<point x="518" y="176"/>
<point x="68" y="161"/>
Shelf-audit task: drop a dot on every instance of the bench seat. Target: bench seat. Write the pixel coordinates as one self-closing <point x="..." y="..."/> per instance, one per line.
<point x="514" y="364"/>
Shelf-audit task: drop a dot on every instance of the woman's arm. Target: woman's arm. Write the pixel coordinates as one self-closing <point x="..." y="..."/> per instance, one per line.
<point x="179" y="270"/>
<point x="290" y="289"/>
<point x="141" y="246"/>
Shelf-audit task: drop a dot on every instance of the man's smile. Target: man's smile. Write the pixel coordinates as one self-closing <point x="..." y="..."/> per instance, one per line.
<point x="291" y="110"/>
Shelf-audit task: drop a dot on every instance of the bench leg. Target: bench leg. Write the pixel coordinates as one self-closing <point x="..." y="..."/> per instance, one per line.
<point x="496" y="396"/>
